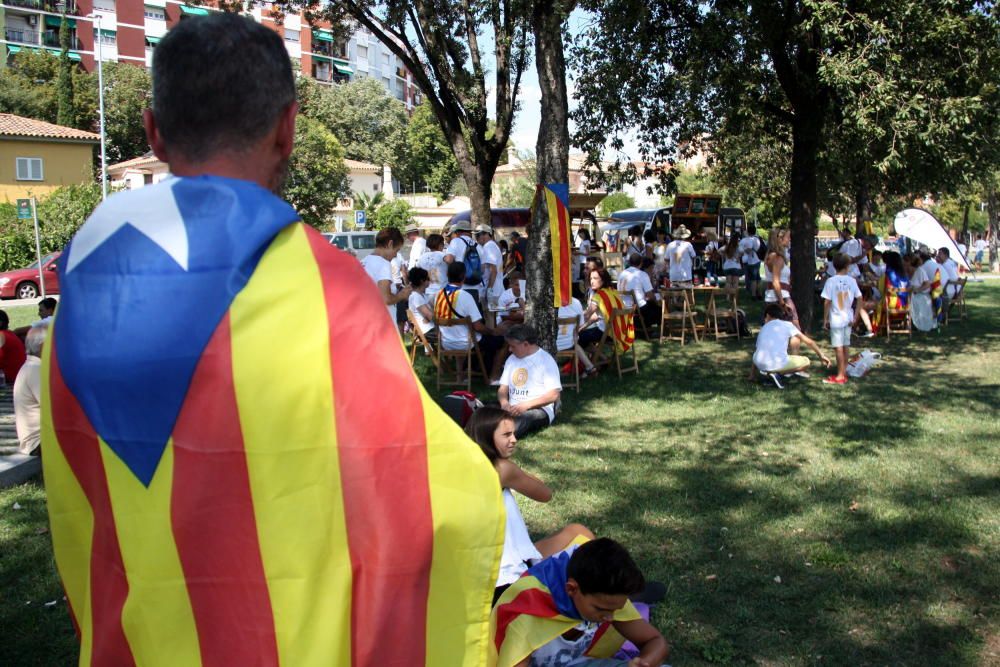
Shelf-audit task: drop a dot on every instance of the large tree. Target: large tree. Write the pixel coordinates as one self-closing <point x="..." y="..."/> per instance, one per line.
<point x="691" y="69"/>
<point x="439" y="42"/>
<point x="317" y="175"/>
<point x="428" y="156"/>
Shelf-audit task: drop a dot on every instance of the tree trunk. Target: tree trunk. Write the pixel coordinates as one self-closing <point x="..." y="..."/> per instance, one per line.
<point x="552" y="165"/>
<point x="862" y="206"/>
<point x="806" y="132"/>
<point x="478" y="178"/>
<point x="993" y="206"/>
<point x="965" y="224"/>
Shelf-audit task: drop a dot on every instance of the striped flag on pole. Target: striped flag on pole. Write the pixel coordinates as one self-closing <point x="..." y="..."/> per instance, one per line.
<point x="241" y="467"/>
<point x="556" y="199"/>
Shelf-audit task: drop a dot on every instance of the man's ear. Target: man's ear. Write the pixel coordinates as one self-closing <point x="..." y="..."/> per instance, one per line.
<point x="153" y="136"/>
<point x="285" y="136"/>
<point x="572" y="587"/>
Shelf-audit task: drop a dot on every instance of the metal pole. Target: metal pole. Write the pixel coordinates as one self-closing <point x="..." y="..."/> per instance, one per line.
<point x="38" y="247"/>
<point x="100" y="102"/>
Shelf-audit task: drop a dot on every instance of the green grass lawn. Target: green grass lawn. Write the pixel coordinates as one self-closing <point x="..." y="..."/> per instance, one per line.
<point x="855" y="525"/>
<point x="21" y="316"/>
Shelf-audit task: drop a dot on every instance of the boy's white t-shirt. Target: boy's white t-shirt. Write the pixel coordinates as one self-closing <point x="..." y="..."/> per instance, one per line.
<point x="680" y="254"/>
<point x="981" y="245"/>
<point x="748" y="247"/>
<point x="772" y="345"/>
<point x="564" y="338"/>
<point x="379" y="269"/>
<point x="457" y="338"/>
<point x="853" y="270"/>
<point x="633" y="284"/>
<point x="414" y="302"/>
<point x="561" y="651"/>
<point x="530" y="377"/>
<point x="841" y="291"/>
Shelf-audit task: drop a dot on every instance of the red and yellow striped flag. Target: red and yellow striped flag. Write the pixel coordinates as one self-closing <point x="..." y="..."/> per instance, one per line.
<point x="311" y="506"/>
<point x="556" y="196"/>
<point x="623" y="326"/>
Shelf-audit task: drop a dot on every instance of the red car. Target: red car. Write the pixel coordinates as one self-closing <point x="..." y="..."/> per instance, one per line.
<point x="23" y="283"/>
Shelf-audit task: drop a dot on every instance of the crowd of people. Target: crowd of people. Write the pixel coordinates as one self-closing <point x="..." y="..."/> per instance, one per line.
<point x="21" y="368"/>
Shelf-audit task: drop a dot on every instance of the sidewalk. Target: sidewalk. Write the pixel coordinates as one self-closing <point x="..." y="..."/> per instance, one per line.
<point x="14" y="467"/>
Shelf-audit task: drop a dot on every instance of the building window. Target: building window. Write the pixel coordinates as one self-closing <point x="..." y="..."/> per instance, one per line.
<point x="105" y="5"/>
<point x="29" y="169"/>
<point x="155" y="13"/>
<point x="291" y="35"/>
<point x="362" y="52"/>
<point x="385" y="60"/>
<point x="107" y="37"/>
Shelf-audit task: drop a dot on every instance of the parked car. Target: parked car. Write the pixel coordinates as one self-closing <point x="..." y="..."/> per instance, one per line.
<point x="23" y="283"/>
<point x="359" y="244"/>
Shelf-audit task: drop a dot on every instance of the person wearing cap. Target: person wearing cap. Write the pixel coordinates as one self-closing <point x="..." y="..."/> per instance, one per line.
<point x="680" y="256"/>
<point x="529" y="386"/>
<point x="492" y="260"/>
<point x="418" y="244"/>
<point x="857" y="250"/>
<point x="461" y="242"/>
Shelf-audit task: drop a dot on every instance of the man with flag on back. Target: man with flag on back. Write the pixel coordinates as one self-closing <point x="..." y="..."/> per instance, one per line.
<point x="219" y="495"/>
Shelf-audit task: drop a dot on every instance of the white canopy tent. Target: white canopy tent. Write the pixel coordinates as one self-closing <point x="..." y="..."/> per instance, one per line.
<point x="922" y="227"/>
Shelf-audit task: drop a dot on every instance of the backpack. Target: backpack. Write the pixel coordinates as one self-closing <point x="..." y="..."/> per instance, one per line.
<point x="761" y="249"/>
<point x="473" y="265"/>
<point x="460" y="405"/>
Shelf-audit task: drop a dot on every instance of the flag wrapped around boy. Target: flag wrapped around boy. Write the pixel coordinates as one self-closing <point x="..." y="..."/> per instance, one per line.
<point x="241" y="467"/>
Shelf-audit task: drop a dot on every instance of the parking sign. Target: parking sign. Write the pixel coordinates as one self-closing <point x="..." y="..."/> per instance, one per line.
<point x="360" y="219"/>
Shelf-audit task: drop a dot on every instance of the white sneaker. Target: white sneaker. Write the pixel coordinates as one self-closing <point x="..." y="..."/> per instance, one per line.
<point x="801" y="374"/>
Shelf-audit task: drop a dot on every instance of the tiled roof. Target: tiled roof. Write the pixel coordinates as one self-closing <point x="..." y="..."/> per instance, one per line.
<point x="18" y="126"/>
<point x="147" y="160"/>
<point x="355" y="165"/>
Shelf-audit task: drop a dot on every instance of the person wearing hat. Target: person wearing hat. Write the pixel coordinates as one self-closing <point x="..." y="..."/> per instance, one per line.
<point x="418" y="244"/>
<point x="492" y="259"/>
<point x="461" y="242"/>
<point x="680" y="257"/>
<point x="857" y="250"/>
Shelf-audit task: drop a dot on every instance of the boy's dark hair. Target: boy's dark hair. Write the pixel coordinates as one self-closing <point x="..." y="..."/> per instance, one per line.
<point x="220" y="83"/>
<point x="841" y="261"/>
<point x="4" y="320"/>
<point x="604" y="566"/>
<point x="49" y="303"/>
<point x="418" y="276"/>
<point x="598" y="262"/>
<point x="456" y="272"/>
<point x="635" y="259"/>
<point x="945" y="252"/>
<point x="775" y="310"/>
<point x="646" y="263"/>
<point x="388" y="236"/>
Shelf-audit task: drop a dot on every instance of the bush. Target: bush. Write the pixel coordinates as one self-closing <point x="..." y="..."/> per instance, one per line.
<point x="60" y="214"/>
<point x="395" y="213"/>
<point x="616" y="201"/>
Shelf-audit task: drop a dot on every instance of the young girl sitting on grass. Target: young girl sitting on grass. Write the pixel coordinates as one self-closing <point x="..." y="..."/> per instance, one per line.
<point x="493" y="430"/>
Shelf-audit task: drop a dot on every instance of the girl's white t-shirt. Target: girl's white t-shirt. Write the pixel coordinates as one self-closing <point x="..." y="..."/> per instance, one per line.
<point x="517" y="544"/>
<point x="415" y="301"/>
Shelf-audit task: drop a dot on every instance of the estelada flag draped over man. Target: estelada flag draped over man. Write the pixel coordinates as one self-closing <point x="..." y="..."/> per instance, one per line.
<point x="241" y="467"/>
<point x="556" y="200"/>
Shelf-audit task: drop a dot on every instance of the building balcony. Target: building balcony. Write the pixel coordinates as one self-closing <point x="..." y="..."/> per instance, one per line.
<point x="51" y="39"/>
<point x="44" y="5"/>
<point x="22" y="36"/>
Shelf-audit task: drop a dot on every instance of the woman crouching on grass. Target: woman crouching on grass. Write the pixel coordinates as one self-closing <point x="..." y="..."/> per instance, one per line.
<point x="493" y="430"/>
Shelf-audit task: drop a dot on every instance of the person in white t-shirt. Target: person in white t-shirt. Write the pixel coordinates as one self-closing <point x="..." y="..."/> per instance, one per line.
<point x="529" y="386"/>
<point x="511" y="302"/>
<point x="680" y="256"/>
<point x="749" y="245"/>
<point x="581" y="253"/>
<point x="379" y="268"/>
<point x="418" y="245"/>
<point x="564" y="335"/>
<point x="775" y="340"/>
<point x="981" y="246"/>
<point x="423" y="311"/>
<point x="857" y="250"/>
<point x="461" y="242"/>
<point x="432" y="261"/>
<point x="949" y="272"/>
<point x="492" y="262"/>
<point x="842" y="306"/>
<point x="636" y="287"/>
<point x="457" y="303"/>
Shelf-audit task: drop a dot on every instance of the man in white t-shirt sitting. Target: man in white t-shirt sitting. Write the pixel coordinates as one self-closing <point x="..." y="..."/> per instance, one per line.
<point x="635" y="287"/>
<point x="949" y="273"/>
<point x="776" y="338"/>
<point x="529" y="386"/>
<point x="680" y="255"/>
<point x="453" y="302"/>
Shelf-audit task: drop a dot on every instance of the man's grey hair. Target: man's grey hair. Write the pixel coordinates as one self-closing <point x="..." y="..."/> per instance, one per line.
<point x="524" y="333"/>
<point x="36" y="338"/>
<point x="220" y="83"/>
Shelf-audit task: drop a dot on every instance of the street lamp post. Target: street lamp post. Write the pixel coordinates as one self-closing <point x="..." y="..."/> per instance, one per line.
<point x="100" y="103"/>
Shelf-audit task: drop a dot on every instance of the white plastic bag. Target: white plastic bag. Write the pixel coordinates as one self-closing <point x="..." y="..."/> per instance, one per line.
<point x="861" y="363"/>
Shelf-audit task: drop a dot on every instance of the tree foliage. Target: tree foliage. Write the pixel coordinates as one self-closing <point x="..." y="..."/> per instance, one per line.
<point x="28" y="87"/>
<point x="616" y="201"/>
<point x="317" y="174"/>
<point x="395" y="213"/>
<point x="60" y="215"/>
<point x="429" y="158"/>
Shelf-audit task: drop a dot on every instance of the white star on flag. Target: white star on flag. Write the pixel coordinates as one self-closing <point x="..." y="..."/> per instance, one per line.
<point x="161" y="222"/>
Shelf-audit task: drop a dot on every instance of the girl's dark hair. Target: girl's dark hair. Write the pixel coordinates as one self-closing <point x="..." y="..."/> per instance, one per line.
<point x="435" y="241"/>
<point x="418" y="276"/>
<point x="389" y="236"/>
<point x="732" y="246"/>
<point x="482" y="425"/>
<point x="583" y="233"/>
<point x="605" y="277"/>
<point x="893" y="260"/>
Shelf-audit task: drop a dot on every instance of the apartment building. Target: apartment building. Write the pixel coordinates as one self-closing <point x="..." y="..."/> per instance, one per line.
<point x="128" y="30"/>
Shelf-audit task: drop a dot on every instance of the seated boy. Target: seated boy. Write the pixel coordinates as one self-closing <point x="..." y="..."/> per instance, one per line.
<point x="776" y="338"/>
<point x="574" y="607"/>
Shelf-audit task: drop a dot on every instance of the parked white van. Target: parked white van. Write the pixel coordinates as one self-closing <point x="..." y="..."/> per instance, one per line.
<point x="359" y="244"/>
